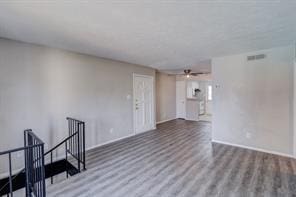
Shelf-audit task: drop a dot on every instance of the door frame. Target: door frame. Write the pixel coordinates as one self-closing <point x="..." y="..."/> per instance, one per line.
<point x="153" y="102"/>
<point x="185" y="99"/>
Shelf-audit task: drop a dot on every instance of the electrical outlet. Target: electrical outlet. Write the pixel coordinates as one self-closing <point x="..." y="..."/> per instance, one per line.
<point x="248" y="135"/>
<point x="111" y="130"/>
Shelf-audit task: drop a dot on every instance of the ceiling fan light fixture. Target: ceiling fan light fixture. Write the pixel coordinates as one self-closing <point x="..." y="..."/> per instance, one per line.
<point x="187" y="71"/>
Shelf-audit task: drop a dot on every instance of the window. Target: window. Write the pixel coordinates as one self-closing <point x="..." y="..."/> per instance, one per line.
<point x="210" y="93"/>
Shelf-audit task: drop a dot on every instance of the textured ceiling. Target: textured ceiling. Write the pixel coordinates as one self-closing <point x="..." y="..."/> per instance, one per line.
<point x="160" y="34"/>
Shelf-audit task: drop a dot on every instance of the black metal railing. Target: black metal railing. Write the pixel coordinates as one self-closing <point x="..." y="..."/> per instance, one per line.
<point x="74" y="146"/>
<point x="33" y="176"/>
<point x="77" y="146"/>
<point x="34" y="167"/>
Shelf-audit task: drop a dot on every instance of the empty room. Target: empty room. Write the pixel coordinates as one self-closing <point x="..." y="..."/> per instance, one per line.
<point x="148" y="98"/>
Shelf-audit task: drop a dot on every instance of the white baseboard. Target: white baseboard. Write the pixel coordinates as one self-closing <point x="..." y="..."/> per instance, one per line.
<point x="109" y="142"/>
<point x="191" y="119"/>
<point x="255" y="149"/>
<point x="165" y="120"/>
<point x="175" y="119"/>
<point x="117" y="139"/>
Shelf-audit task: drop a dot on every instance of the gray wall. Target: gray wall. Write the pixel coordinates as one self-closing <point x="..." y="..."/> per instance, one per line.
<point x="294" y="103"/>
<point x="253" y="101"/>
<point x="40" y="87"/>
<point x="165" y="97"/>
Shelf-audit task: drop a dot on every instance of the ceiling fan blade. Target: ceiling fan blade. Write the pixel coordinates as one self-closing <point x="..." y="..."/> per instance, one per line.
<point x="176" y="74"/>
<point x="195" y="74"/>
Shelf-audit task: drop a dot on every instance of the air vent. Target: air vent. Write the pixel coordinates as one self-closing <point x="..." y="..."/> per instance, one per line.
<point x="256" y="57"/>
<point x="252" y="57"/>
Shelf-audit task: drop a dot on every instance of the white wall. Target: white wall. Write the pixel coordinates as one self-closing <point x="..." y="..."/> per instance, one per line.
<point x="40" y="87"/>
<point x="254" y="97"/>
<point x="165" y="97"/>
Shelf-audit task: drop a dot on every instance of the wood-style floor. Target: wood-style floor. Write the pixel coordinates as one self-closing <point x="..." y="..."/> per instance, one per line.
<point x="178" y="159"/>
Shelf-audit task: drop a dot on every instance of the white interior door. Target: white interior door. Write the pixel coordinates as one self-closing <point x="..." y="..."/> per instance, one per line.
<point x="180" y="99"/>
<point x="144" y="119"/>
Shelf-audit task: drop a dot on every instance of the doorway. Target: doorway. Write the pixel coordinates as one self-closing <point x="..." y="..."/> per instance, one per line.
<point x="181" y="99"/>
<point x="206" y="114"/>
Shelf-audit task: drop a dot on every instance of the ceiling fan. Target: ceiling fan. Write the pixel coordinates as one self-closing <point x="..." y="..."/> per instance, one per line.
<point x="188" y="73"/>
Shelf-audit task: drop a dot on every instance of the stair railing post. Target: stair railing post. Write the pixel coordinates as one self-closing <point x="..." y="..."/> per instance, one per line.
<point x="26" y="164"/>
<point x="10" y="176"/>
<point x="43" y="171"/>
<point x="78" y="146"/>
<point x="51" y="179"/>
<point x="30" y="163"/>
<point x="66" y="159"/>
<point x="83" y="133"/>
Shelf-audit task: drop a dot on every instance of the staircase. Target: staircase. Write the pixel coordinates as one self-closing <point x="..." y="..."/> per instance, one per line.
<point x="33" y="176"/>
